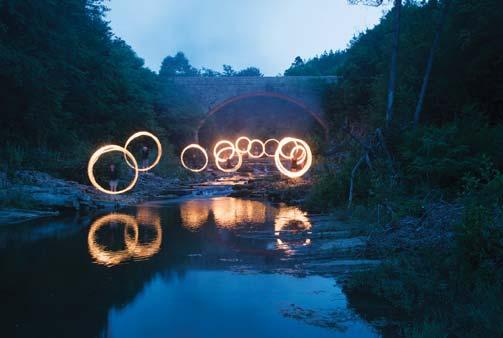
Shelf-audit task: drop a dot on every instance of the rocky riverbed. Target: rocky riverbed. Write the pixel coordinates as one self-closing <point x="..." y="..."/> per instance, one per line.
<point x="26" y="194"/>
<point x="32" y="194"/>
<point x="333" y="246"/>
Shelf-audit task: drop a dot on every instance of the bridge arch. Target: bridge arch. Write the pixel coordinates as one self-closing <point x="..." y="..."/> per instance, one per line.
<point x="219" y="106"/>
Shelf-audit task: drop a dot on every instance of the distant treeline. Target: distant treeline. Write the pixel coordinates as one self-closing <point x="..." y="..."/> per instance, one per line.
<point x="179" y="65"/>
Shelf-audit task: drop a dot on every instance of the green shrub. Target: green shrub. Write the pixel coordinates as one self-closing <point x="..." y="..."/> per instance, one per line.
<point x="428" y="329"/>
<point x="480" y="238"/>
<point x="444" y="157"/>
<point x="326" y="193"/>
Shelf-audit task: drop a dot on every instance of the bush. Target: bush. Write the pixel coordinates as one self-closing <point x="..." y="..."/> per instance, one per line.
<point x="328" y="192"/>
<point x="456" y="292"/>
<point x="480" y="239"/>
<point x="442" y="156"/>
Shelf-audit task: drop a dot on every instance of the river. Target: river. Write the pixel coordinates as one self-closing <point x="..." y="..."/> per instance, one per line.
<point x="190" y="268"/>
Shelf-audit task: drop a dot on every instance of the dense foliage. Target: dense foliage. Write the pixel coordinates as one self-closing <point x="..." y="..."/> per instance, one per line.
<point x="455" y="154"/>
<point x="327" y="63"/>
<point x="67" y="83"/>
<point x="467" y="78"/>
<point x="462" y="118"/>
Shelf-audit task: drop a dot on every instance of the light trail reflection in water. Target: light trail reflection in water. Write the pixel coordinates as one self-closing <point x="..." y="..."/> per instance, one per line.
<point x="194" y="213"/>
<point x="146" y="220"/>
<point x="228" y="212"/>
<point x="290" y="223"/>
<point x="226" y="272"/>
<point x="291" y="220"/>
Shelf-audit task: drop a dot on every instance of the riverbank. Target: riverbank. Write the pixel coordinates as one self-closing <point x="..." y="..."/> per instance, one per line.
<point x="27" y="194"/>
<point x="441" y="274"/>
<point x="403" y="268"/>
<point x="337" y="245"/>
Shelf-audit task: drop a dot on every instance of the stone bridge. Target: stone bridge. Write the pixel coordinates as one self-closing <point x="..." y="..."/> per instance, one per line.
<point x="210" y="94"/>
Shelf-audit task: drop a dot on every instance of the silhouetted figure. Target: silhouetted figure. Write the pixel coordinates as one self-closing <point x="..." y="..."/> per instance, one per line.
<point x="193" y="162"/>
<point x="295" y="165"/>
<point x="114" y="177"/>
<point x="145" y="152"/>
<point x="228" y="164"/>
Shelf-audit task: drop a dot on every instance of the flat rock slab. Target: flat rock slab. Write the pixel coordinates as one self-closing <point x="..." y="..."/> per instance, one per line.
<point x="345" y="262"/>
<point x="344" y="244"/>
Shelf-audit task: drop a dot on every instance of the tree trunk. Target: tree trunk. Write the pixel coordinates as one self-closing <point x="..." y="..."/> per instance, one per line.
<point x="393" y="67"/>
<point x="429" y="64"/>
<point x="351" y="182"/>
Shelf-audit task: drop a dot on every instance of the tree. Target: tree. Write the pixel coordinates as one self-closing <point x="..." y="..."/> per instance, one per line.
<point x="429" y="63"/>
<point x="62" y="74"/>
<point x="298" y="62"/>
<point x="394" y="59"/>
<point x="209" y="72"/>
<point x="397" y="6"/>
<point x="250" y="71"/>
<point x="228" y="71"/>
<point x="177" y="65"/>
<point x="326" y="64"/>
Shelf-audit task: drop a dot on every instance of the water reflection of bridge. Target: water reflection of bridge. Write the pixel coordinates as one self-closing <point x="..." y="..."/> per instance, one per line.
<point x="240" y="214"/>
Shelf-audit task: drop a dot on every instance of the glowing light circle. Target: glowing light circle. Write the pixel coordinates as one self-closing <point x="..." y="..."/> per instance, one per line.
<point x="157" y="142"/>
<point x="96" y="156"/>
<point x="238" y="141"/>
<point x="281" y="167"/>
<point x="216" y="152"/>
<point x="194" y="146"/>
<point x="288" y="157"/>
<point x="302" y="157"/>
<point x="265" y="146"/>
<point x="252" y="155"/>
<point x="228" y="170"/>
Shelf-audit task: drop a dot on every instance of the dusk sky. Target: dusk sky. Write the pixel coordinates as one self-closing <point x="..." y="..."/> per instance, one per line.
<point x="267" y="34"/>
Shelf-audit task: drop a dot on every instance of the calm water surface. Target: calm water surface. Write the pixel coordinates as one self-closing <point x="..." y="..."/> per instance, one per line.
<point x="187" y="269"/>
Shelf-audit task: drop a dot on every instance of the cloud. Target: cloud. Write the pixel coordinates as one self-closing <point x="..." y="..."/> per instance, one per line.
<point x="263" y="33"/>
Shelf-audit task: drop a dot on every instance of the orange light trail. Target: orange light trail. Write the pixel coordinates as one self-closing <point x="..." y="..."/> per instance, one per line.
<point x="216" y="151"/>
<point x="248" y="147"/>
<point x="252" y="155"/>
<point x="198" y="147"/>
<point x="279" y="153"/>
<point x="96" y="156"/>
<point x="157" y="142"/>
<point x="265" y="146"/>
<point x="134" y="249"/>
<point x="297" y="150"/>
<point x="234" y="152"/>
